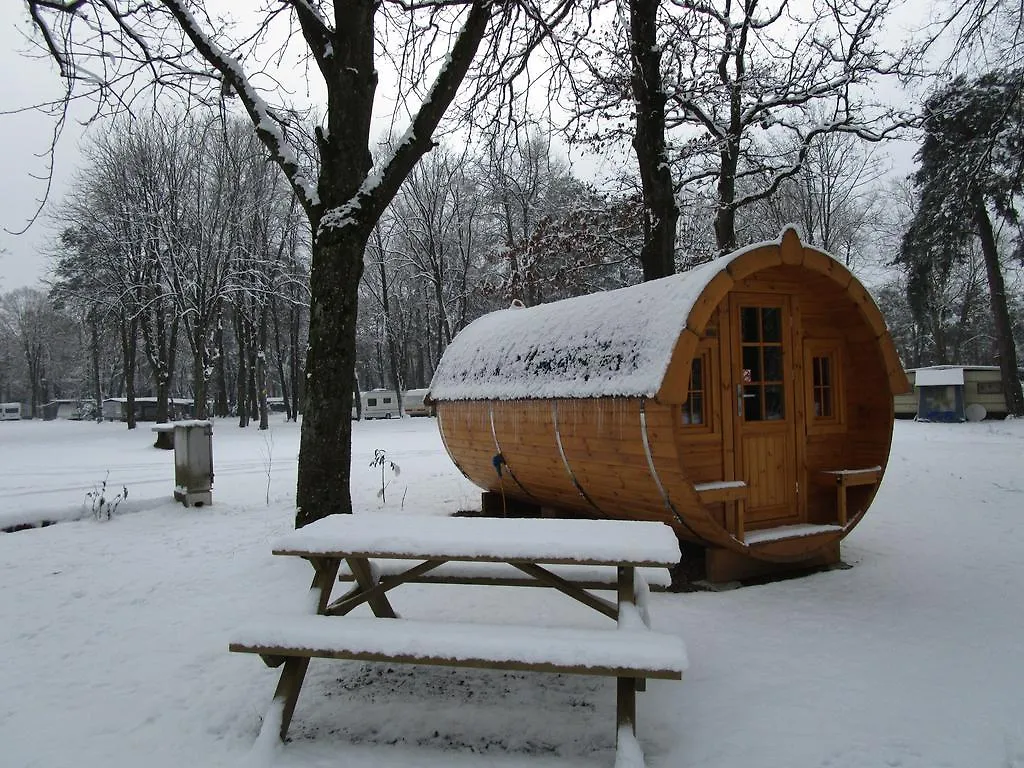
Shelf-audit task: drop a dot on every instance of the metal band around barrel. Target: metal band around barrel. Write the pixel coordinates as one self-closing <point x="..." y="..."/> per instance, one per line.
<point x="565" y="460"/>
<point x="497" y="447"/>
<point x="654" y="472"/>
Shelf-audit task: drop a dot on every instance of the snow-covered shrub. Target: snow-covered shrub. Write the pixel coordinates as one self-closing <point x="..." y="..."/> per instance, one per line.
<point x="381" y="460"/>
<point x="101" y="504"/>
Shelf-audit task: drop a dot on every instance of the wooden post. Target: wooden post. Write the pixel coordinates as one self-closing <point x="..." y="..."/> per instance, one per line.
<point x="290" y="683"/>
<point x="625" y="705"/>
<point x="841" y="501"/>
<point x="627" y="686"/>
<point x="739" y="519"/>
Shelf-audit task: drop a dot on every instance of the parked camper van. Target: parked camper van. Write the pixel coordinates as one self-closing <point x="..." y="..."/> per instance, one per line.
<point x="412" y="402"/>
<point x="10" y="411"/>
<point x="380" y="404"/>
<point x="953" y="393"/>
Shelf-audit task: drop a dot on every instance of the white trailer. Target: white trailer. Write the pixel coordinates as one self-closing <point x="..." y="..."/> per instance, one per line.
<point x="380" y="404"/>
<point x="10" y="411"/>
<point x="412" y="403"/>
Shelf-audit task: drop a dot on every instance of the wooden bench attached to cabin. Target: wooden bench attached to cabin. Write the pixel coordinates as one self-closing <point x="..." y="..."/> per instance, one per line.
<point x="841" y="479"/>
<point x="726" y="491"/>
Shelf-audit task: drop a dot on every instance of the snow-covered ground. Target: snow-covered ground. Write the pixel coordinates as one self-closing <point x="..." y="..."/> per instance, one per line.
<point x="113" y="635"/>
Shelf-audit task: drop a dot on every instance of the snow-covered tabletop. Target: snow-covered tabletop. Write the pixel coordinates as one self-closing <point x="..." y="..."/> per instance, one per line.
<point x="586" y="542"/>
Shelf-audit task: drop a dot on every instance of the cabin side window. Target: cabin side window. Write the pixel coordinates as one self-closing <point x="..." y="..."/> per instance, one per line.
<point x="696" y="411"/>
<point x="824" y="403"/>
<point x="823" y="386"/>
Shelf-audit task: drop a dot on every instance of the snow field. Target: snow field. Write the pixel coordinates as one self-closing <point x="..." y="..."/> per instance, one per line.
<point x="113" y="636"/>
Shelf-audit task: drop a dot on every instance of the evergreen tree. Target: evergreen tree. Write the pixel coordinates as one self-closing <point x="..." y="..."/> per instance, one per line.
<point x="971" y="167"/>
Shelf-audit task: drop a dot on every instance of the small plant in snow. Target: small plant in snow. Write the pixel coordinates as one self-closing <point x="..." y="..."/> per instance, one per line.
<point x="267" y="454"/>
<point x="101" y="504"/>
<point x="382" y="461"/>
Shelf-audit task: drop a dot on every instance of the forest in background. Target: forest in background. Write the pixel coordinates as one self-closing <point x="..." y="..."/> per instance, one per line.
<point x="182" y="258"/>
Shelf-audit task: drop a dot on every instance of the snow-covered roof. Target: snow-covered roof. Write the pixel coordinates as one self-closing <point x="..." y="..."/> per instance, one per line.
<point x="613" y="343"/>
<point x="939" y="376"/>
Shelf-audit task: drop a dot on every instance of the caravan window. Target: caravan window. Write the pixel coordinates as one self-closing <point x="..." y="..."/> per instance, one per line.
<point x="371" y="401"/>
<point x="387" y="400"/>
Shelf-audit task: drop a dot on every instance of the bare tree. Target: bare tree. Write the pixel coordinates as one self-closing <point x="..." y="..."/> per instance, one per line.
<point x="106" y="46"/>
<point x="27" y="316"/>
<point x="836" y="198"/>
<point x="735" y="75"/>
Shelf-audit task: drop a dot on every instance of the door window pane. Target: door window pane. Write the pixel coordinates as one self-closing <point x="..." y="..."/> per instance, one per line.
<point x="752" y="403"/>
<point x="761" y="358"/>
<point x="771" y="324"/>
<point x="751" y="365"/>
<point x="773" y="363"/>
<point x="774" y="402"/>
<point x="750" y="324"/>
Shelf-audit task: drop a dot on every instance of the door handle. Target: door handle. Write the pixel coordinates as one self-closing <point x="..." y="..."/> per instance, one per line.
<point x="739" y="398"/>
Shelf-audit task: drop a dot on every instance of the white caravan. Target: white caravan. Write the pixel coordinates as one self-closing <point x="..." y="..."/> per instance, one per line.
<point x="10" y="411"/>
<point x="380" y="404"/>
<point x="412" y="402"/>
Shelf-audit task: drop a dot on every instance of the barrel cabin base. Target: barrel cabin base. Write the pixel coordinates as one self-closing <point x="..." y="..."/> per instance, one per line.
<point x="499" y="505"/>
<point x="699" y="563"/>
<point x="725" y="565"/>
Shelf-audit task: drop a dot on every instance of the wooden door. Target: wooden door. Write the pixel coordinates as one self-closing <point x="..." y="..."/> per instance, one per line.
<point x="763" y="407"/>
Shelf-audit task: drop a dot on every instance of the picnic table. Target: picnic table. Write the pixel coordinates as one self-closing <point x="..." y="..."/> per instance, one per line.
<point x="575" y="557"/>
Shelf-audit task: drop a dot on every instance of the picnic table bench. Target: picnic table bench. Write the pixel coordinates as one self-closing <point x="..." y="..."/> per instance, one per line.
<point x="544" y="552"/>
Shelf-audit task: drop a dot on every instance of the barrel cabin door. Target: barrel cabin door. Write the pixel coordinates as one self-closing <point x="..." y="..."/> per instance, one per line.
<point x="765" y="419"/>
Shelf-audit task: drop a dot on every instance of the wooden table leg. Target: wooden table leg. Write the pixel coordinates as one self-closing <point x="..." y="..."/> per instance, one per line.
<point x="363" y="574"/>
<point x="627" y="601"/>
<point x="323" y="580"/>
<point x="625" y="704"/>
<point x="288" y="688"/>
<point x="290" y="683"/>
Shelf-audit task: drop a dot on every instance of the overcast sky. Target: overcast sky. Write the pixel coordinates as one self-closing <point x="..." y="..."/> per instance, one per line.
<point x="23" y="138"/>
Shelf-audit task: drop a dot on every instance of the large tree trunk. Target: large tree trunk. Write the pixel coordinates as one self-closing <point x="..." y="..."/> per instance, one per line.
<point x="261" y="368"/>
<point x="389" y="338"/>
<point x="200" y="368"/>
<point x="129" y="343"/>
<point x="725" y="216"/>
<point x="221" y="407"/>
<point x="296" y="363"/>
<point x="241" y="341"/>
<point x="325" y="446"/>
<point x="290" y="414"/>
<point x="660" y="210"/>
<point x="94" y="350"/>
<point x="341" y="224"/>
<point x="1000" y="312"/>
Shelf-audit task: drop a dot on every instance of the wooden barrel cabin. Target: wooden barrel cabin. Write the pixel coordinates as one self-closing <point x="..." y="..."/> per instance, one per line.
<point x="748" y="403"/>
